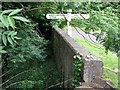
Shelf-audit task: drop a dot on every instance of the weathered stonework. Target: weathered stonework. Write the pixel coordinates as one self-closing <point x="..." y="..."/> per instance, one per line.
<point x="92" y="67"/>
<point x="66" y="47"/>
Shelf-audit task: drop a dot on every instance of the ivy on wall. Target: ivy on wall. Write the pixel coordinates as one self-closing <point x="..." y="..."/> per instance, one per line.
<point x="77" y="75"/>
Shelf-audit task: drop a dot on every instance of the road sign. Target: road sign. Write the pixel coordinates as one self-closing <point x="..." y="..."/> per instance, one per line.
<point x="56" y="16"/>
<point x="76" y="16"/>
<point x="67" y="16"/>
<point x="61" y="16"/>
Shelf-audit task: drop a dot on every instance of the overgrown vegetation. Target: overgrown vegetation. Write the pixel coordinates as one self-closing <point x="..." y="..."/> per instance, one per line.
<point x="77" y="71"/>
<point x="28" y="61"/>
<point x="30" y="48"/>
<point x="41" y="76"/>
<point x="27" y="42"/>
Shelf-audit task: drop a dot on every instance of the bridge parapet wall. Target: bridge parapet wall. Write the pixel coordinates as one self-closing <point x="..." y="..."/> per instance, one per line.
<point x="66" y="47"/>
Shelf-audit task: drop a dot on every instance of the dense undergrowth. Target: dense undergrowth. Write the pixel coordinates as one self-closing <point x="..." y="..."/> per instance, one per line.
<point x="41" y="77"/>
<point x="29" y="61"/>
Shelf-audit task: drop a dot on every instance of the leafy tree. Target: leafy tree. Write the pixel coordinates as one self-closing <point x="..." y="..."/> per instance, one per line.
<point x="104" y="17"/>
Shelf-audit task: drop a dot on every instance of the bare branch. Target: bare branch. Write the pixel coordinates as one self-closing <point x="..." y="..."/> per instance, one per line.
<point x="58" y="84"/>
<point x="39" y="31"/>
<point x="13" y="84"/>
<point x="14" y="77"/>
<point x="5" y="73"/>
<point x="91" y="39"/>
<point x="39" y="8"/>
<point x="3" y="59"/>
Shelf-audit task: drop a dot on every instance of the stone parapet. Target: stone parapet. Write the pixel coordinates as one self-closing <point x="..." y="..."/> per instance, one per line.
<point x="66" y="47"/>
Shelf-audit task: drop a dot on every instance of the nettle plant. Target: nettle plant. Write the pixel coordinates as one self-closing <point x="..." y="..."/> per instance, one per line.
<point x="77" y="71"/>
<point x="8" y="28"/>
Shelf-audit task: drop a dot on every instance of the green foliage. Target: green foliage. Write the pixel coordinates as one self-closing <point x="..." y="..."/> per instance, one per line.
<point x="104" y="18"/>
<point x="77" y="71"/>
<point x="7" y="20"/>
<point x="107" y="22"/>
<point x="31" y="48"/>
<point x="15" y="12"/>
<point x="43" y="75"/>
<point x="26" y="84"/>
<point x="8" y="35"/>
<point x="6" y="11"/>
<point x="29" y="51"/>
<point x="1" y="49"/>
<point x="21" y="18"/>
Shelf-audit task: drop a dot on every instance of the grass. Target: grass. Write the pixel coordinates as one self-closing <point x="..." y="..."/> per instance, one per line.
<point x="73" y="28"/>
<point x="109" y="60"/>
<point x="112" y="76"/>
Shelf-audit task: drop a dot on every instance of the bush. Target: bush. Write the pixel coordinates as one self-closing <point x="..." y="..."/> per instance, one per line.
<point x="26" y="54"/>
<point x="28" y="51"/>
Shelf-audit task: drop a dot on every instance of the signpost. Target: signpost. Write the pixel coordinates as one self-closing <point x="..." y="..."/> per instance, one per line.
<point x="67" y="16"/>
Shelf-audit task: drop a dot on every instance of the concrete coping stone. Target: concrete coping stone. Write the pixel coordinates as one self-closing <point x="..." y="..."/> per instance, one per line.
<point x="77" y="47"/>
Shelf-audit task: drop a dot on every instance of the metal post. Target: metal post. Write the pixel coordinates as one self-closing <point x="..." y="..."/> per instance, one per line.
<point x="68" y="22"/>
